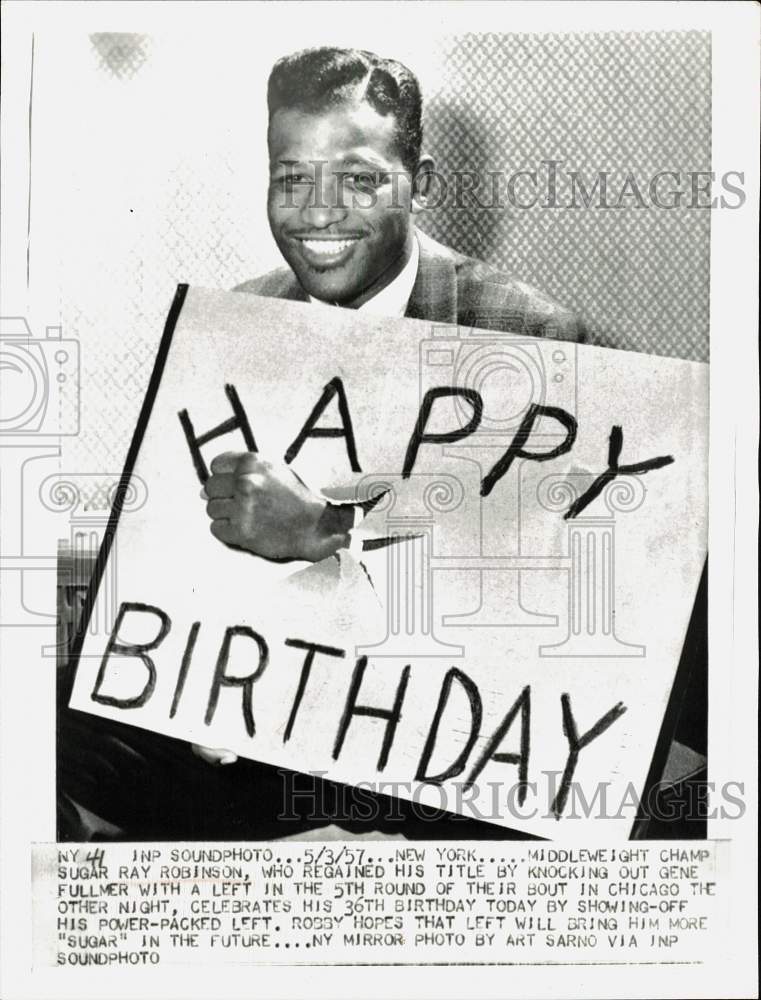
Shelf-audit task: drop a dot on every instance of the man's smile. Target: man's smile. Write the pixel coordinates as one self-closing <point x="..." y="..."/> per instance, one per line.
<point x="322" y="250"/>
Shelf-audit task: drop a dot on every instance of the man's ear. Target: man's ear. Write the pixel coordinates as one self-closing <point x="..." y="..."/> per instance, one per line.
<point x="422" y="184"/>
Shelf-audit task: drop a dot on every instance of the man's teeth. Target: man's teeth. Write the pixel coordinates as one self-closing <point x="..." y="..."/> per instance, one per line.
<point x="327" y="247"/>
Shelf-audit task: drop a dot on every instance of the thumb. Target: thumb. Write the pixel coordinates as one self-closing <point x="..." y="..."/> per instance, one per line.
<point x="214" y="756"/>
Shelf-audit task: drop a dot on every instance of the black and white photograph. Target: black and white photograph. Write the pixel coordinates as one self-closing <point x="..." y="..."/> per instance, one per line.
<point x="376" y="380"/>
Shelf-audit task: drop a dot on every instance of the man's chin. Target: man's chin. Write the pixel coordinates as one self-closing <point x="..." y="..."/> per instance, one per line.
<point x="327" y="290"/>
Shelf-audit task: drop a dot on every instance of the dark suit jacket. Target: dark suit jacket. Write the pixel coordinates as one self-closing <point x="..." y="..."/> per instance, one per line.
<point x="453" y="288"/>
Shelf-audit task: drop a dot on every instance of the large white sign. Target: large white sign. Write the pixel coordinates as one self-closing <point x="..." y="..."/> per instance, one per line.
<point x="502" y="636"/>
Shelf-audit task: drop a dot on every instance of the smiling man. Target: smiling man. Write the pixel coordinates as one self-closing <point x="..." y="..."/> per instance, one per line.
<point x="341" y="198"/>
<point x="347" y="180"/>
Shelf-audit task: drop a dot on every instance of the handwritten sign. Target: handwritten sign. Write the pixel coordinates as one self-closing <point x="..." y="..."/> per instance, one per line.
<point x="501" y="638"/>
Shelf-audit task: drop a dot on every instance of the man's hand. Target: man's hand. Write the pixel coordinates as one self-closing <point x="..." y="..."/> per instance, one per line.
<point x="266" y="509"/>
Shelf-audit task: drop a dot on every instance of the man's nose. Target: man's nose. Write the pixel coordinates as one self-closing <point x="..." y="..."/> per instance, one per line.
<point x="325" y="204"/>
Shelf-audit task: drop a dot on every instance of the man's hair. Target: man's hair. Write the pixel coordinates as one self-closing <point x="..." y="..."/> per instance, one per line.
<point x="317" y="79"/>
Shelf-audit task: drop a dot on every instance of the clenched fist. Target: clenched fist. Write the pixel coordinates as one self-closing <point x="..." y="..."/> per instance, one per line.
<point x="265" y="508"/>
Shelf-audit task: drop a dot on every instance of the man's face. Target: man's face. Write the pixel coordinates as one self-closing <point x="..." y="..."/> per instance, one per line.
<point x="339" y="200"/>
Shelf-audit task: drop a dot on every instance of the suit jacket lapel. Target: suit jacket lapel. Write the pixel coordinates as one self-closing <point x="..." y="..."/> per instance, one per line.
<point x="434" y="294"/>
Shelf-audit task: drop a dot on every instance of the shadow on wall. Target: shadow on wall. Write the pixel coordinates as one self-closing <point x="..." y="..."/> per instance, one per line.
<point x="470" y="211"/>
<point x="459" y="220"/>
<point x="623" y="106"/>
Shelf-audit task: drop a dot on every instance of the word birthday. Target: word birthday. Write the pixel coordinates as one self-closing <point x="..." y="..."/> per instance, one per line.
<point x="421" y="436"/>
<point x="519" y="711"/>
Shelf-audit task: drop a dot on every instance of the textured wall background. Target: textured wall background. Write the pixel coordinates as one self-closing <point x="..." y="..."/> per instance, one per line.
<point x="621" y="103"/>
<point x="158" y="149"/>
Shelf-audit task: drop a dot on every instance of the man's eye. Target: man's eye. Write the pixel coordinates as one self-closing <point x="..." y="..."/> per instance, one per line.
<point x="294" y="180"/>
<point x="365" y="179"/>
